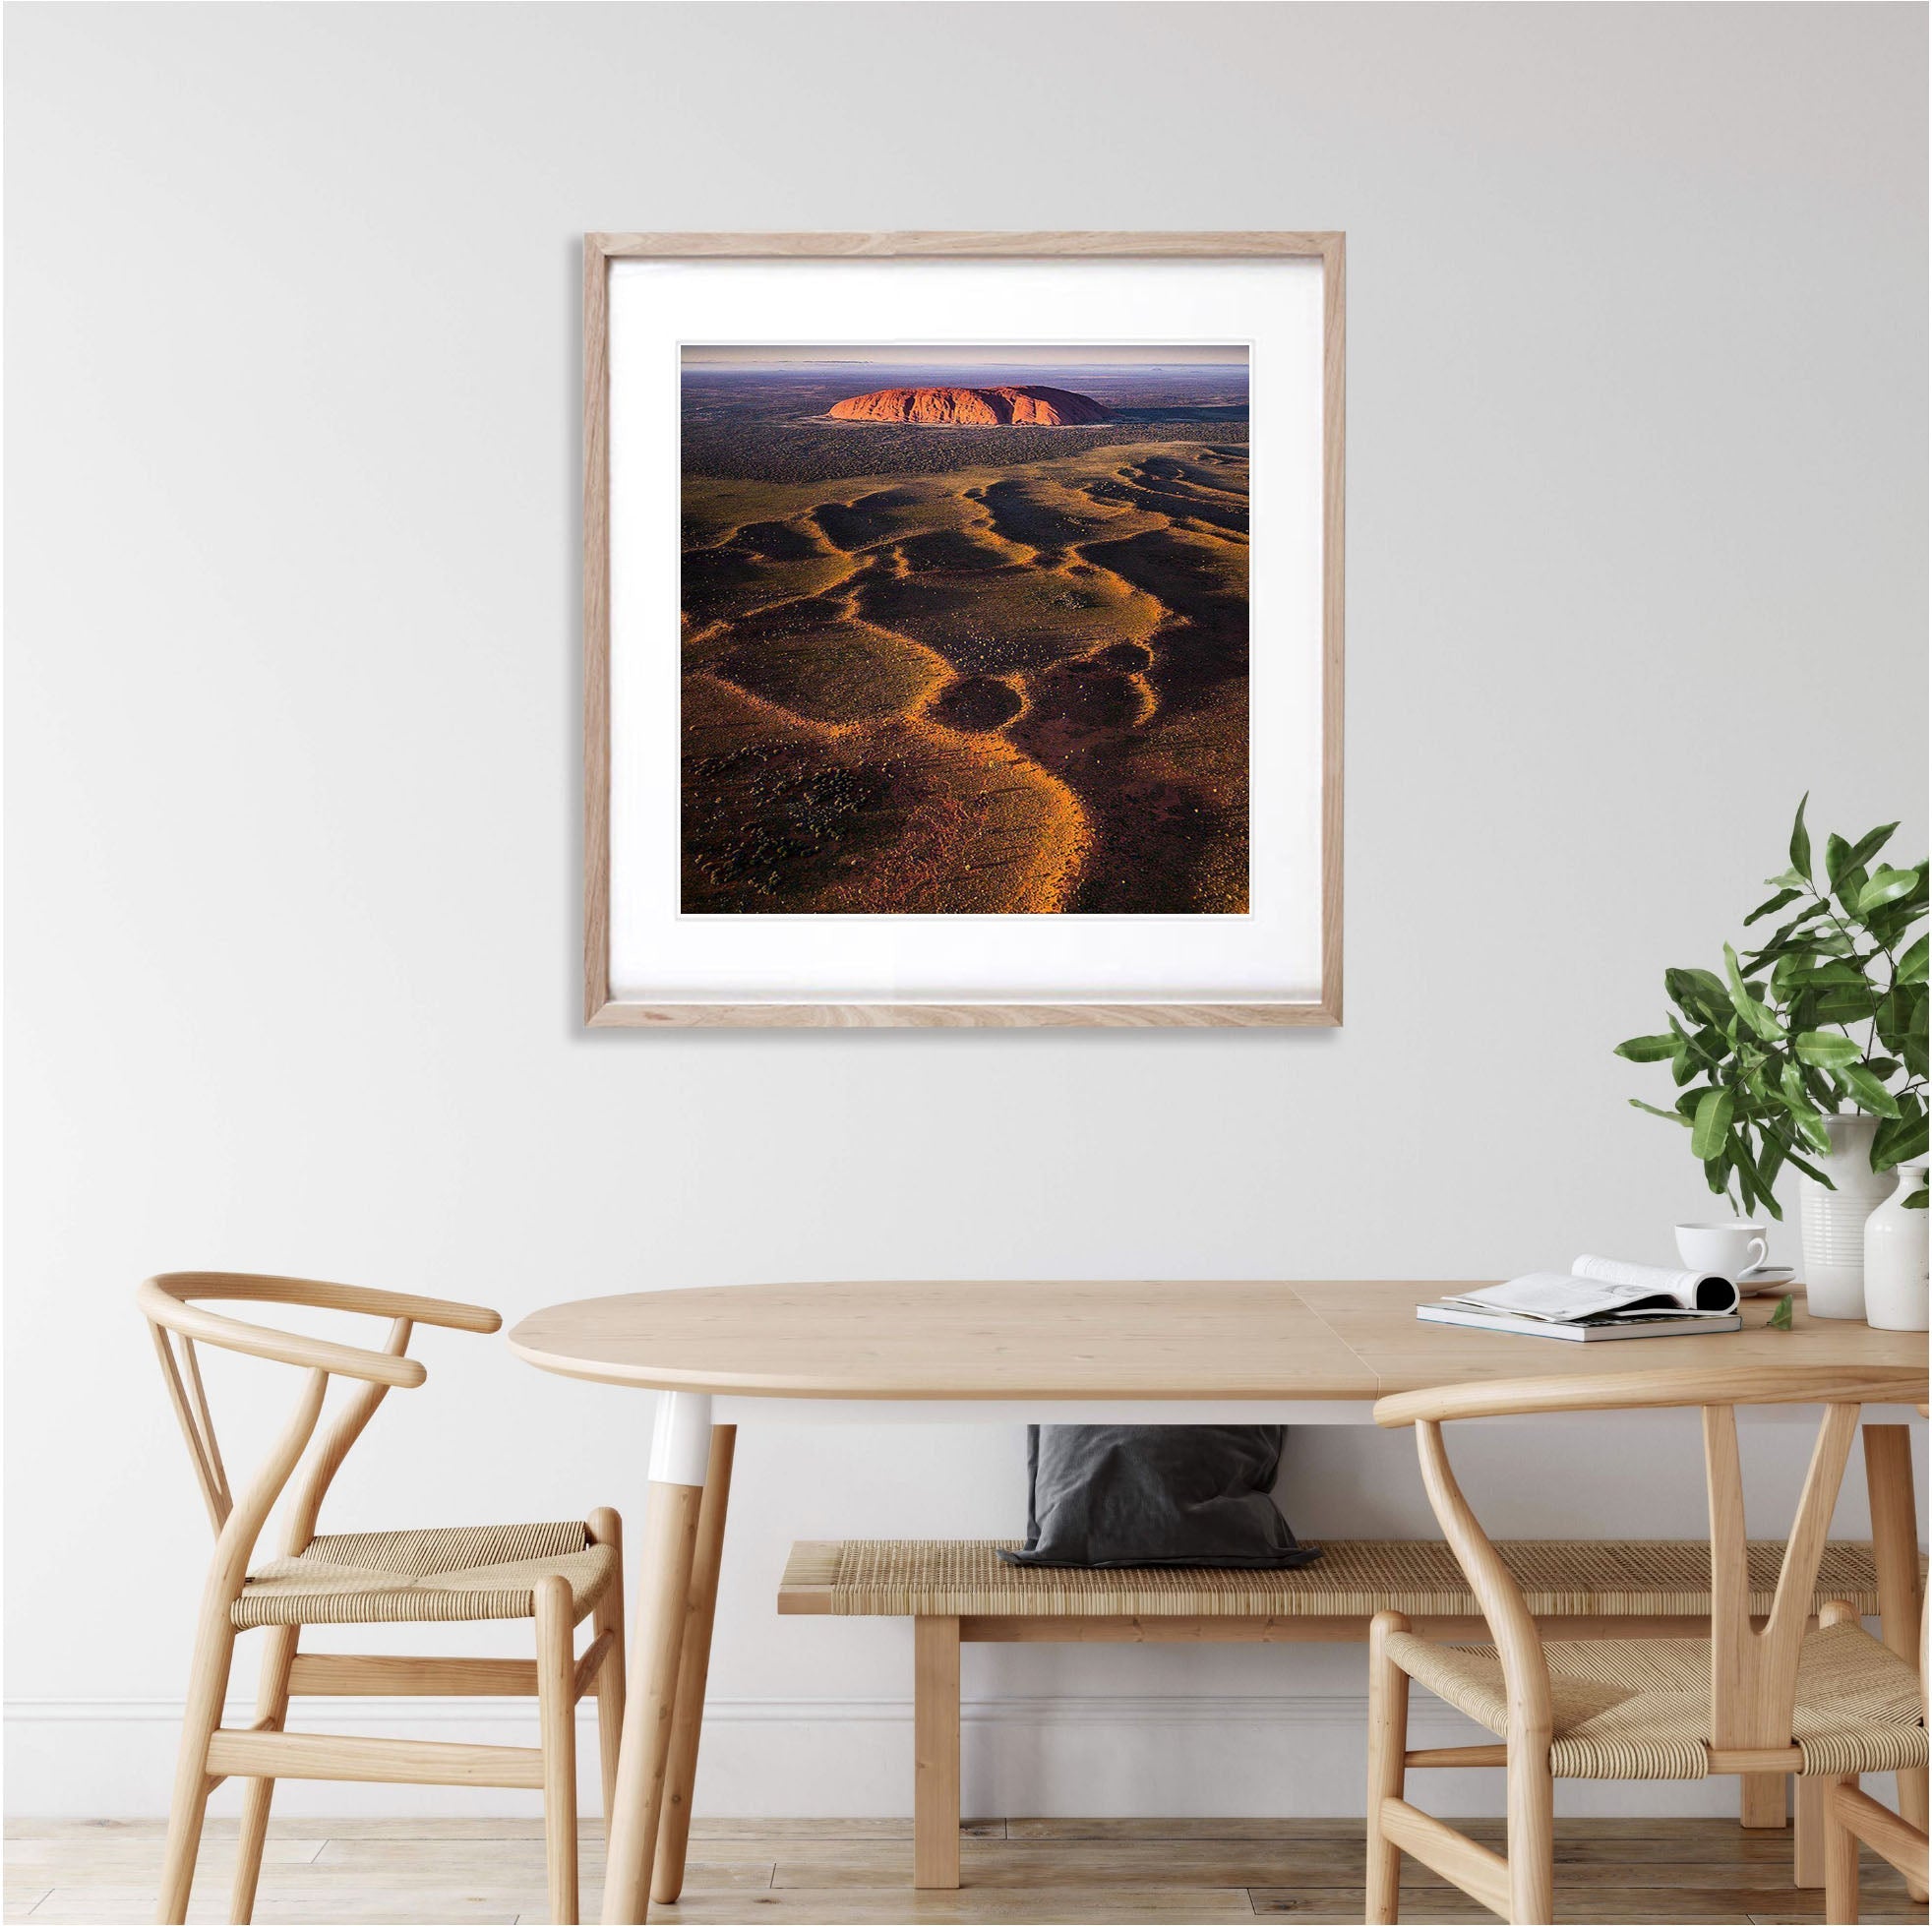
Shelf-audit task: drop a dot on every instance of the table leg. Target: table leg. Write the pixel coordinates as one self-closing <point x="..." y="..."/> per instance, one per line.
<point x="1894" y="1552"/>
<point x="680" y="1454"/>
<point x="686" y="1725"/>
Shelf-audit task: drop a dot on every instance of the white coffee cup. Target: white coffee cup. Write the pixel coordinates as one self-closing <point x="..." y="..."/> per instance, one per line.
<point x="1724" y="1250"/>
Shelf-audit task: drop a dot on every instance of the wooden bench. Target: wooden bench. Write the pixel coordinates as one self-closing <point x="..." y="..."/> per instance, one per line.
<point x="958" y="1592"/>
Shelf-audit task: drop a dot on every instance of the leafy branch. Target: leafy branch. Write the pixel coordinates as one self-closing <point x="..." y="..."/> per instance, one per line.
<point x="1762" y="1055"/>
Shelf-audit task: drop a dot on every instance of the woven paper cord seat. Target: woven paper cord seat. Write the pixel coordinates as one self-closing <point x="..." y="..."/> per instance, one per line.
<point x="890" y="1578"/>
<point x="407" y="1578"/>
<point x="1641" y="1708"/>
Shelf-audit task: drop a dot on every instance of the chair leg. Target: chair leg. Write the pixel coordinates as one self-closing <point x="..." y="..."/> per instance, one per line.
<point x="1388" y="1740"/>
<point x="607" y="1528"/>
<point x="1895" y="1552"/>
<point x="1808" y="1828"/>
<point x="1840" y="1860"/>
<point x="556" y="1715"/>
<point x="1531" y="1835"/>
<point x="271" y="1710"/>
<point x="936" y="1754"/>
<point x="207" y="1688"/>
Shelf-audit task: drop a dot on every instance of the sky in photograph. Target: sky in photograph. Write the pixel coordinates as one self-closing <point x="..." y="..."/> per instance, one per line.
<point x="975" y="354"/>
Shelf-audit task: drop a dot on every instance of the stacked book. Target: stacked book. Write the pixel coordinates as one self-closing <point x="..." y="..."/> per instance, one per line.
<point x="1597" y="1298"/>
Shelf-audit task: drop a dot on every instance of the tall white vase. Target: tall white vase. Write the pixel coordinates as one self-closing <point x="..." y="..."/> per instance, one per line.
<point x="1897" y="1241"/>
<point x="1833" y="1220"/>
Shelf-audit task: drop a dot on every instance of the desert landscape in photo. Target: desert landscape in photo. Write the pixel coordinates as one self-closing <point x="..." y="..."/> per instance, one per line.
<point x="965" y="631"/>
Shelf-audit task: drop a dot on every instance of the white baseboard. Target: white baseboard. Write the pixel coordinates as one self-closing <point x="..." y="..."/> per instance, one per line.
<point x="834" y="1758"/>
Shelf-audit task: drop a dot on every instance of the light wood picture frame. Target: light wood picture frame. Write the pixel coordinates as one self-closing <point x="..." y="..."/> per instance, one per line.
<point x="1316" y="1002"/>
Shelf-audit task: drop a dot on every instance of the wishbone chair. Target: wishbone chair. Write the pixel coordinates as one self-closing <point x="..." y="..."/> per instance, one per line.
<point x="1825" y="1703"/>
<point x="1851" y="1817"/>
<point x="555" y="1574"/>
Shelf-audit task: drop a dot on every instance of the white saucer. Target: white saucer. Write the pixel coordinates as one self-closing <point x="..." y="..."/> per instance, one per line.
<point x="1767" y="1277"/>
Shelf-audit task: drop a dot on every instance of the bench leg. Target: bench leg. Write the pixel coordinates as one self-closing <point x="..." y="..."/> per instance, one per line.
<point x="935" y="1753"/>
<point x="1761" y="1799"/>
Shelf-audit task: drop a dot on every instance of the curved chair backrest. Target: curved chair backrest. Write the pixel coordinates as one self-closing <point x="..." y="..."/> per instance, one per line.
<point x="174" y="1305"/>
<point x="1752" y="1672"/>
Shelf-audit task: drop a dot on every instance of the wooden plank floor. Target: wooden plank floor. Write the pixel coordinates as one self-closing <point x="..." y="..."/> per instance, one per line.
<point x="856" y="1872"/>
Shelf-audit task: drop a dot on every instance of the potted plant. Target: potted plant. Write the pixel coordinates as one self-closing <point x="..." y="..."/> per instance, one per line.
<point x="1809" y="1050"/>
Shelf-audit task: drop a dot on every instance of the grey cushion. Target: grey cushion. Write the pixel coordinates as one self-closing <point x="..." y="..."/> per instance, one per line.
<point x="1155" y="1494"/>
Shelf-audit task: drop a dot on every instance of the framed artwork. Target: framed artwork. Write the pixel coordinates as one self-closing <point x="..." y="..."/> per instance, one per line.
<point x="963" y="628"/>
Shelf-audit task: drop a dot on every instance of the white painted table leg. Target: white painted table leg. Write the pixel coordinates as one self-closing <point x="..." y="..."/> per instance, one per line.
<point x="680" y="1449"/>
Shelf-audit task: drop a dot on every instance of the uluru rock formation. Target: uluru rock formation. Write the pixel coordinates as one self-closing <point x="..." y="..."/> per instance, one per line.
<point x="973" y="407"/>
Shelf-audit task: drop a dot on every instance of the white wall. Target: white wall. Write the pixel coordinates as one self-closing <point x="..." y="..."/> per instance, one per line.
<point x="1637" y="552"/>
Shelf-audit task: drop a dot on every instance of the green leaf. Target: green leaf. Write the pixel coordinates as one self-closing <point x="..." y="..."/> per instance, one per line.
<point x="1771" y="905"/>
<point x="1901" y="1138"/>
<point x="1911" y="1142"/>
<point x="1810" y="1170"/>
<point x="1708" y="1046"/>
<point x="1832" y="972"/>
<point x="1847" y="888"/>
<point x="1697" y="992"/>
<point x="1637" y="1104"/>
<point x="1771" y="1160"/>
<point x="1801" y="841"/>
<point x="1915" y="1202"/>
<point x="1712" y="1125"/>
<point x="1844" y="1002"/>
<point x="1837" y="859"/>
<point x="1763" y="1021"/>
<point x="1788" y="880"/>
<point x="1740" y="1169"/>
<point x="1871" y="842"/>
<point x="1810" y="1125"/>
<point x="1647" y="1050"/>
<point x="1781" y="1316"/>
<point x="1820" y="1046"/>
<point x="1866" y="1091"/>
<point x="1886" y="887"/>
<point x="1912" y="965"/>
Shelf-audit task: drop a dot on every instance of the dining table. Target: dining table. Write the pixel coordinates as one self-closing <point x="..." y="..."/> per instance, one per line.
<point x="1012" y="1351"/>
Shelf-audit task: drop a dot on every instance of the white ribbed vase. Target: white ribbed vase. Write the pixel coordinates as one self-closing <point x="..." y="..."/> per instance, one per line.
<point x="1833" y="1220"/>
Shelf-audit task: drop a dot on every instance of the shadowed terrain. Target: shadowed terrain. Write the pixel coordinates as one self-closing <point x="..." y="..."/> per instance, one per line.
<point x="1012" y="686"/>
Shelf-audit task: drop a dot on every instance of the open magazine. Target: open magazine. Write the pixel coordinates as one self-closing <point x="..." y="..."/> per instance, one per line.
<point x="1601" y="1287"/>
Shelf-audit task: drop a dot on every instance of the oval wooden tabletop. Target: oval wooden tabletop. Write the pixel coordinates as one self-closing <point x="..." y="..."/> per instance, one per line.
<point x="1055" y="1340"/>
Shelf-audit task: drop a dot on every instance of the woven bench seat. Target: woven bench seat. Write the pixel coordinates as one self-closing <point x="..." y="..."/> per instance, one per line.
<point x="1353" y="1578"/>
<point x="958" y="1592"/>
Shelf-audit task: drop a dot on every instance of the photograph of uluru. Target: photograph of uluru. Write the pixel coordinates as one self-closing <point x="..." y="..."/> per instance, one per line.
<point x="965" y="631"/>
